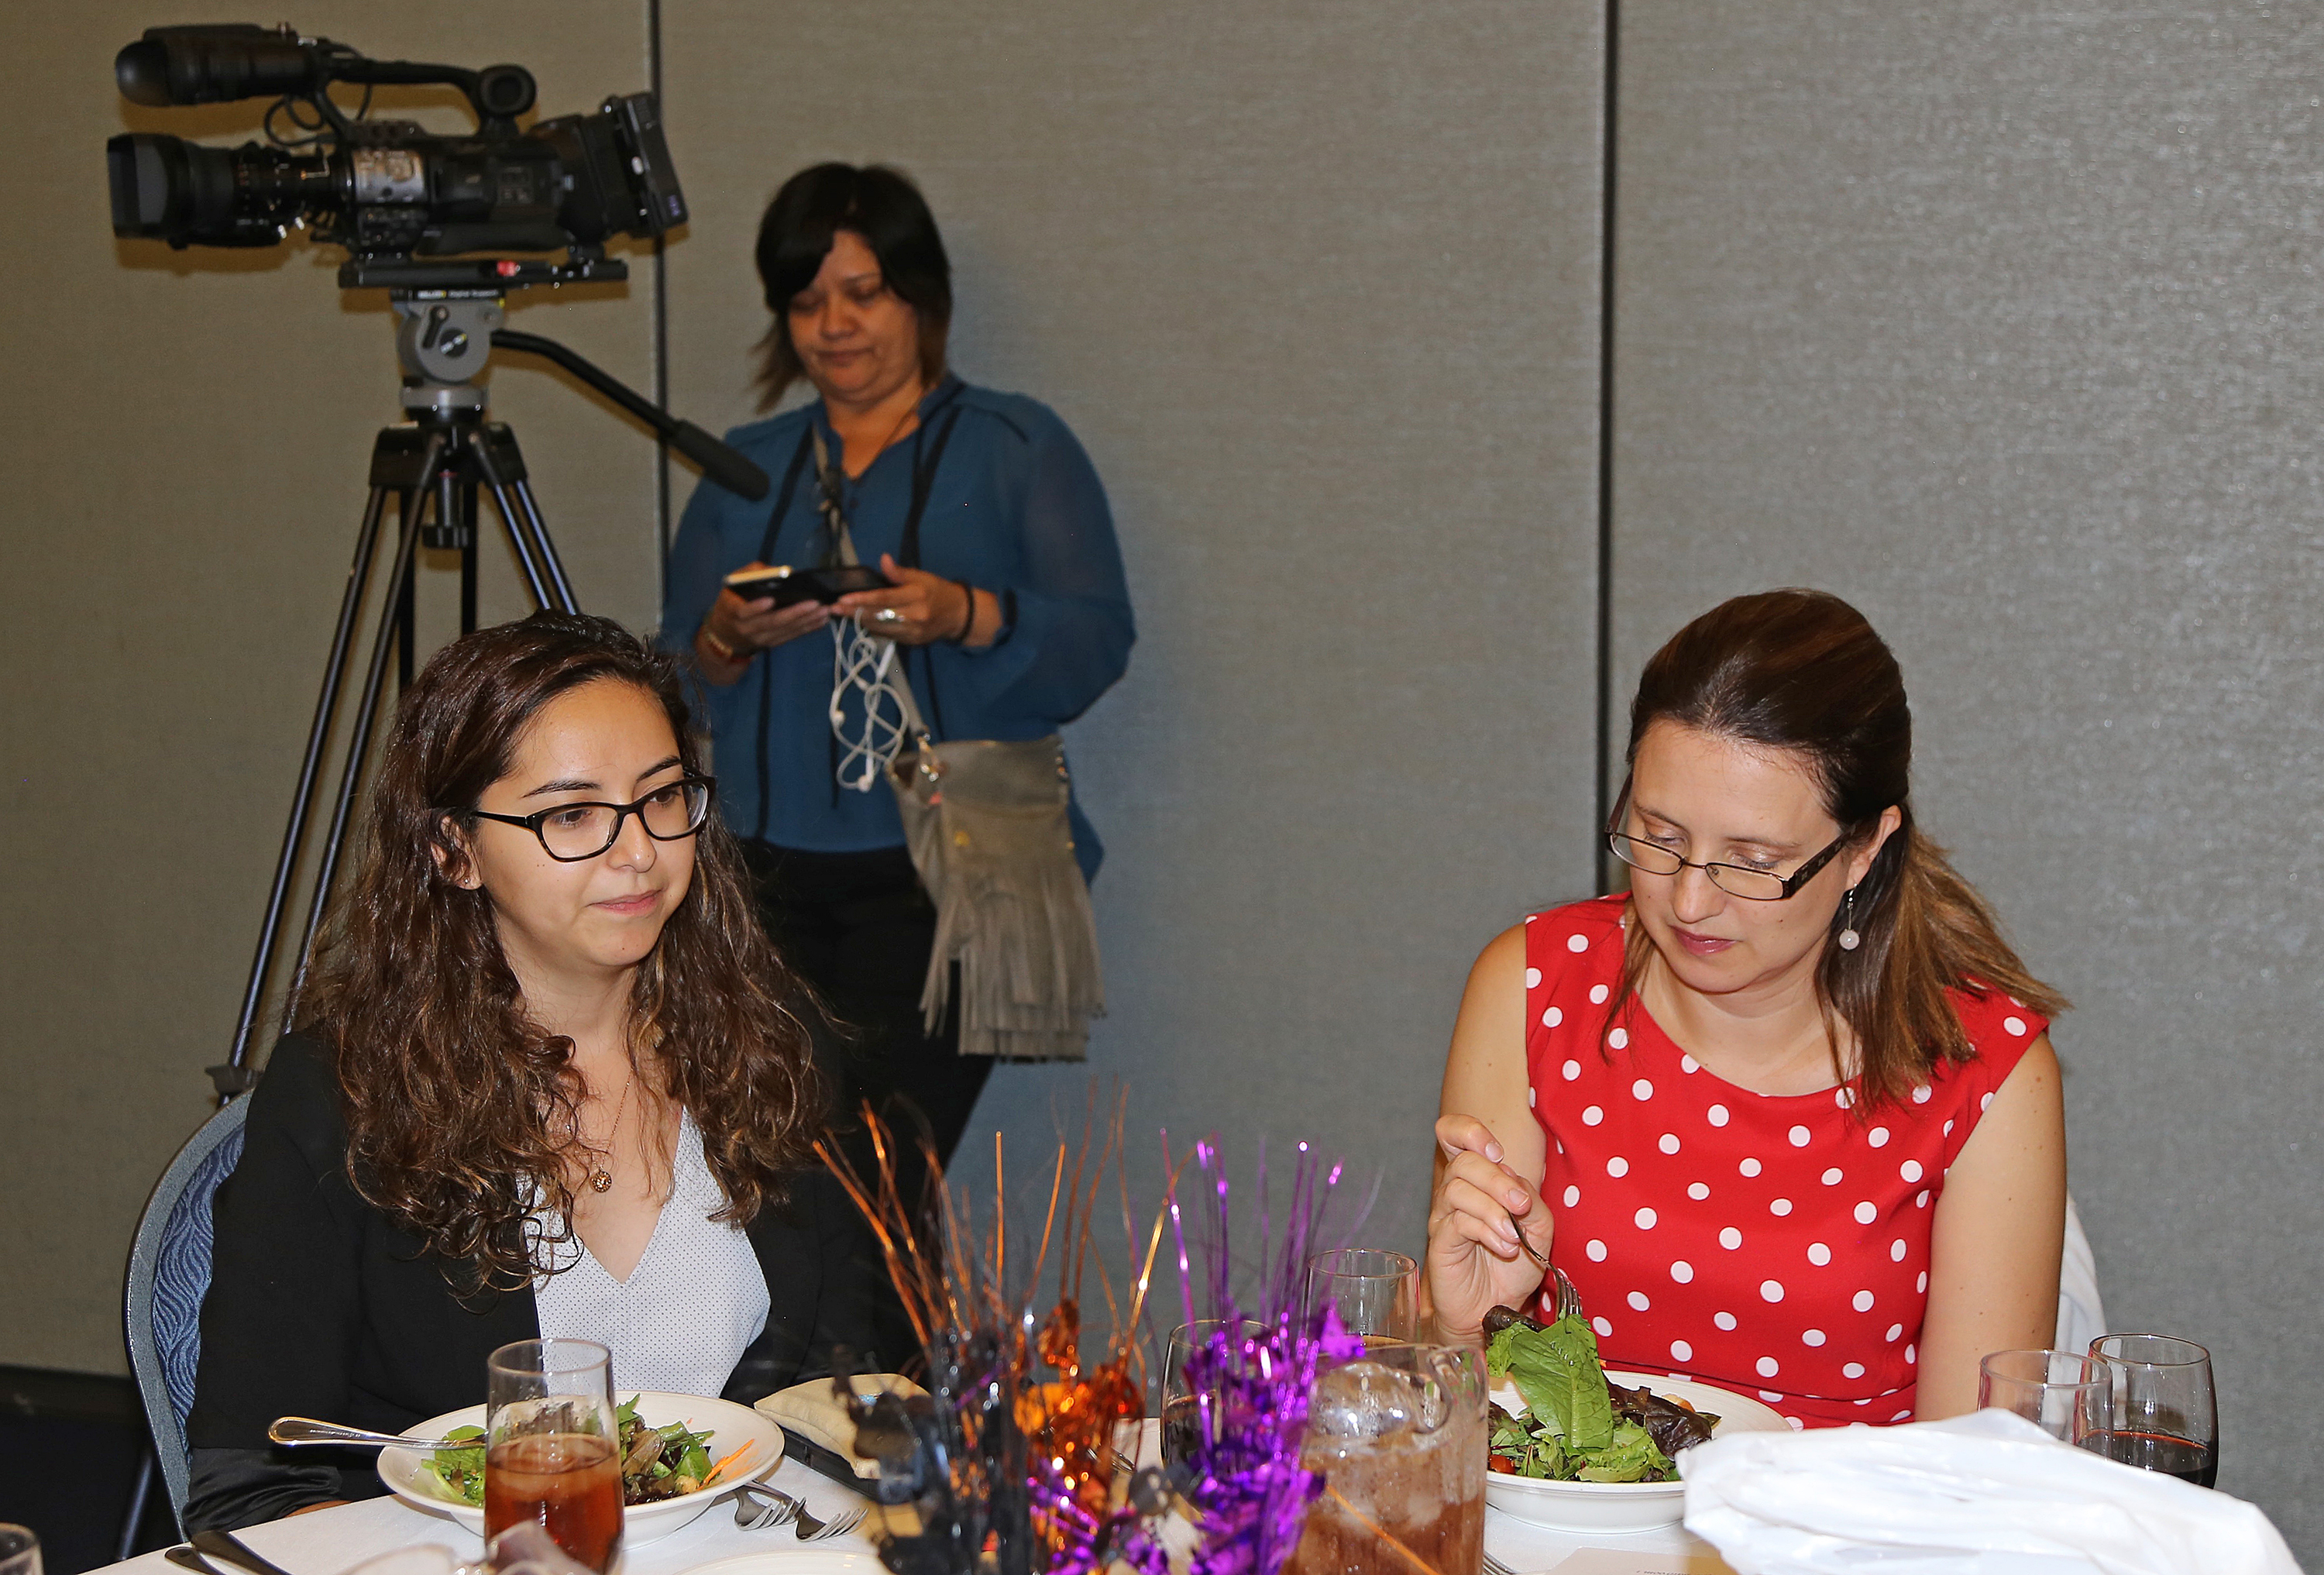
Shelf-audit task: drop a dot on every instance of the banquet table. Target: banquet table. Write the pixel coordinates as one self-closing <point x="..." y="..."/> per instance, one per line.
<point x="328" y="1542"/>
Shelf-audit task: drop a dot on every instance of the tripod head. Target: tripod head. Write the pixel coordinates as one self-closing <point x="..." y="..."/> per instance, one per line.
<point x="444" y="339"/>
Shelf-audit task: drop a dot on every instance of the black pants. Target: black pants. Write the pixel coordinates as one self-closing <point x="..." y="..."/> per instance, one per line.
<point x="860" y="929"/>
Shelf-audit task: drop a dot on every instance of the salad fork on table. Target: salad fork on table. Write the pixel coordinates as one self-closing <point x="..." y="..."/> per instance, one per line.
<point x="756" y="1506"/>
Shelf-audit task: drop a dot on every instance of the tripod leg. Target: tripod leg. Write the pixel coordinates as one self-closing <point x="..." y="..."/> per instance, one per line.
<point x="468" y="559"/>
<point x="359" y="744"/>
<point x="502" y="464"/>
<point x="547" y="546"/>
<point x="406" y="624"/>
<point x="311" y="770"/>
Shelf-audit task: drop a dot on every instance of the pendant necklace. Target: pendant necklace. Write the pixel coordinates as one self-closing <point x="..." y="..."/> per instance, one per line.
<point x="601" y="1180"/>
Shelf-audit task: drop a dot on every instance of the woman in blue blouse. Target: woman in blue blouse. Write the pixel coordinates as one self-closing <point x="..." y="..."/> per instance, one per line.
<point x="1007" y="607"/>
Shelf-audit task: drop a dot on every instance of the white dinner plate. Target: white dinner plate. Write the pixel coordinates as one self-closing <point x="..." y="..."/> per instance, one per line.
<point x="1622" y="1507"/>
<point x="803" y="1562"/>
<point x="727" y="1423"/>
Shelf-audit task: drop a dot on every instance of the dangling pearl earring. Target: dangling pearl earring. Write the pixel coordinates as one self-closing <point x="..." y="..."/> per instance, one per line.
<point x="1848" y="939"/>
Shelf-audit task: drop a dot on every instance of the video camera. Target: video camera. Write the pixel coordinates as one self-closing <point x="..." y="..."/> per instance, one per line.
<point x="395" y="196"/>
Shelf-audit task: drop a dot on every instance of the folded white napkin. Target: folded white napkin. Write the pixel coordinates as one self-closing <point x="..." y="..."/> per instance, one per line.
<point x="1984" y="1494"/>
<point x="812" y="1411"/>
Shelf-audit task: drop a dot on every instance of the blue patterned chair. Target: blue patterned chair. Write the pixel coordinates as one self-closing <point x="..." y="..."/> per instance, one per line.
<point x="169" y="1273"/>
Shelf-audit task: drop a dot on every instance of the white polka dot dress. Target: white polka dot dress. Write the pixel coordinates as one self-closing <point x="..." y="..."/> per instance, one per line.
<point x="1775" y="1245"/>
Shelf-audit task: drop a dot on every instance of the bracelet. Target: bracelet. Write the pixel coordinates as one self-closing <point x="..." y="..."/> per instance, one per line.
<point x="967" y="624"/>
<point x="719" y="647"/>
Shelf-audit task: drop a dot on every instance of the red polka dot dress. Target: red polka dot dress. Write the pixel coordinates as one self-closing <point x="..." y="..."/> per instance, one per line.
<point x="1777" y="1246"/>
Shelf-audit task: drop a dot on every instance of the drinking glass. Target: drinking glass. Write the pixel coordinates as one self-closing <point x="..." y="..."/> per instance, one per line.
<point x="1400" y="1435"/>
<point x="553" y="1454"/>
<point x="20" y="1551"/>
<point x="1182" y="1415"/>
<point x="2164" y="1414"/>
<point x="1378" y="1293"/>
<point x="2061" y="1392"/>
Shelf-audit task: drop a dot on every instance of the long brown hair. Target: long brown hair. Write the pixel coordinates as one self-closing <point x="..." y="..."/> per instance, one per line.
<point x="1802" y="672"/>
<point x="460" y="1108"/>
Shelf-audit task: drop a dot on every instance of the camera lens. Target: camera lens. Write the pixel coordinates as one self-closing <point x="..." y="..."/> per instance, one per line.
<point x="142" y="70"/>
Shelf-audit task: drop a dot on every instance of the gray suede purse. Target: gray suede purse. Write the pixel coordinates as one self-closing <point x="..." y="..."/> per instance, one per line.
<point x="987" y="825"/>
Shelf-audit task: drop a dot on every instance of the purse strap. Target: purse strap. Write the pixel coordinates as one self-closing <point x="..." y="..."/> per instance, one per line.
<point x="766" y="674"/>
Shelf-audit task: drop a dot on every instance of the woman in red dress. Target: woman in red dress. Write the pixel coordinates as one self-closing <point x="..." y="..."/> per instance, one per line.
<point x="1785" y="1113"/>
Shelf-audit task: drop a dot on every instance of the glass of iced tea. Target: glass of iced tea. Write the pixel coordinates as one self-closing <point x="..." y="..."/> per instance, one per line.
<point x="553" y="1456"/>
<point x="1400" y="1436"/>
<point x="1378" y="1293"/>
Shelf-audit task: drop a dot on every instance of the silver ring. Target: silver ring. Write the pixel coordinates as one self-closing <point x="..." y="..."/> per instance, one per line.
<point x="887" y="615"/>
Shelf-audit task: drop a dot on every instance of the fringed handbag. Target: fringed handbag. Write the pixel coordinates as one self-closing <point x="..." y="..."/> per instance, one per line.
<point x="987" y="825"/>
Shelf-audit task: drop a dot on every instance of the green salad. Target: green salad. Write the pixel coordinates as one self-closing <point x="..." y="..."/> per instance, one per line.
<point x="1575" y="1426"/>
<point x="657" y="1462"/>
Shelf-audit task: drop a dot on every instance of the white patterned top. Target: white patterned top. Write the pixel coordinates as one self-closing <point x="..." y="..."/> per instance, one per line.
<point x="687" y="1312"/>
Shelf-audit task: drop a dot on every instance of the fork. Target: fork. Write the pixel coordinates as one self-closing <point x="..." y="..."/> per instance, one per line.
<point x="1569" y="1300"/>
<point x="782" y="1509"/>
<point x="1495" y="1567"/>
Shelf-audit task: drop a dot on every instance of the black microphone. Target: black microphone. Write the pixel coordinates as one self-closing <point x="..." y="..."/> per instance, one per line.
<point x="214" y="65"/>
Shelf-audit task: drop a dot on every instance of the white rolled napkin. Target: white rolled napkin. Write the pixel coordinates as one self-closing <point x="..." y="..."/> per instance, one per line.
<point x="1985" y="1495"/>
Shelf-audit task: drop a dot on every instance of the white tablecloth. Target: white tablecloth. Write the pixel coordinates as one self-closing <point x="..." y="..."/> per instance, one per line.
<point x="328" y="1541"/>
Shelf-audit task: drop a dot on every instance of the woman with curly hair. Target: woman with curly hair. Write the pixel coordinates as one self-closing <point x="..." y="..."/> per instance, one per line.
<point x="551" y="1080"/>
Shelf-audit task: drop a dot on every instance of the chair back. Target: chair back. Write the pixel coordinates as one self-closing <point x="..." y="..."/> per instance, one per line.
<point x="169" y="1273"/>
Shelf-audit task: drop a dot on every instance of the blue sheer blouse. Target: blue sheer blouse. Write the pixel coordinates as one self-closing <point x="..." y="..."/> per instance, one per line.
<point x="1014" y="508"/>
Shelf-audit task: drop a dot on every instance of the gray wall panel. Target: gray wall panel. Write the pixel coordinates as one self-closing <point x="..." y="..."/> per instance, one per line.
<point x="1316" y="286"/>
<point x="185" y="451"/>
<point x="2003" y="322"/>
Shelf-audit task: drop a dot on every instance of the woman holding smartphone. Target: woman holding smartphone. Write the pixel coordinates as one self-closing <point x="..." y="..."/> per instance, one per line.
<point x="1004" y="611"/>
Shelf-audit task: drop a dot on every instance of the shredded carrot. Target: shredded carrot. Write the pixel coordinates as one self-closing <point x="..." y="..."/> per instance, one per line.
<point x="748" y="1445"/>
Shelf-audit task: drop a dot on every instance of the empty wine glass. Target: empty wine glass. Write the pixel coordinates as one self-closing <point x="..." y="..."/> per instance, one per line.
<point x="1182" y="1412"/>
<point x="1378" y="1293"/>
<point x="20" y="1551"/>
<point x="2163" y="1412"/>
<point x="2061" y="1392"/>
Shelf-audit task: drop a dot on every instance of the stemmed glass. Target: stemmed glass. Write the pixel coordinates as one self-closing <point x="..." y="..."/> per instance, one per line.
<point x="553" y="1453"/>
<point x="1378" y="1293"/>
<point x="1182" y="1413"/>
<point x="2163" y="1412"/>
<point x="20" y="1551"/>
<point x="2061" y="1392"/>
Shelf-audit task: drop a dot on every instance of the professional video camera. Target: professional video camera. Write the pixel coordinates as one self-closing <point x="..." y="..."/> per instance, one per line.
<point x="387" y="190"/>
<point x="413" y="210"/>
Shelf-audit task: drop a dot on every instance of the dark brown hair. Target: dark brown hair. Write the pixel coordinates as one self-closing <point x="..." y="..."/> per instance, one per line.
<point x="1802" y="672"/>
<point x="460" y="1108"/>
<point x="886" y="210"/>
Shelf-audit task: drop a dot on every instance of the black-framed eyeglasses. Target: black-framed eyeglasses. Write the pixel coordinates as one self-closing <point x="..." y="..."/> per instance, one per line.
<point x="570" y="833"/>
<point x="1735" y="879"/>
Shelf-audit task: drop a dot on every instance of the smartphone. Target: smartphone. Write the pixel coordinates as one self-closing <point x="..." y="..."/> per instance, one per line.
<point x="789" y="587"/>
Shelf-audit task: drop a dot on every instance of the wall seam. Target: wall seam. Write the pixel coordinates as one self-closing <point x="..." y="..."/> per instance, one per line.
<point x="1609" y="107"/>
<point x="660" y="298"/>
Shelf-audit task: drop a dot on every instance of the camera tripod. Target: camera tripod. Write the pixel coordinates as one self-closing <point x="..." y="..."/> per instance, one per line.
<point x="434" y="469"/>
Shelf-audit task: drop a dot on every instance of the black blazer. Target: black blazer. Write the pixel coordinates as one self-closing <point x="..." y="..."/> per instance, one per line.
<point x="319" y="1307"/>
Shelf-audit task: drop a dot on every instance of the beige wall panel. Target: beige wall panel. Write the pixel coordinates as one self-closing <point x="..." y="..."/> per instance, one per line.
<point x="185" y="451"/>
<point x="1316" y="285"/>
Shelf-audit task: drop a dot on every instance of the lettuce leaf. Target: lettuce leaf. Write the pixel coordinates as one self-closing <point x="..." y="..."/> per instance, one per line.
<point x="1557" y="1371"/>
<point x="1630" y="1456"/>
